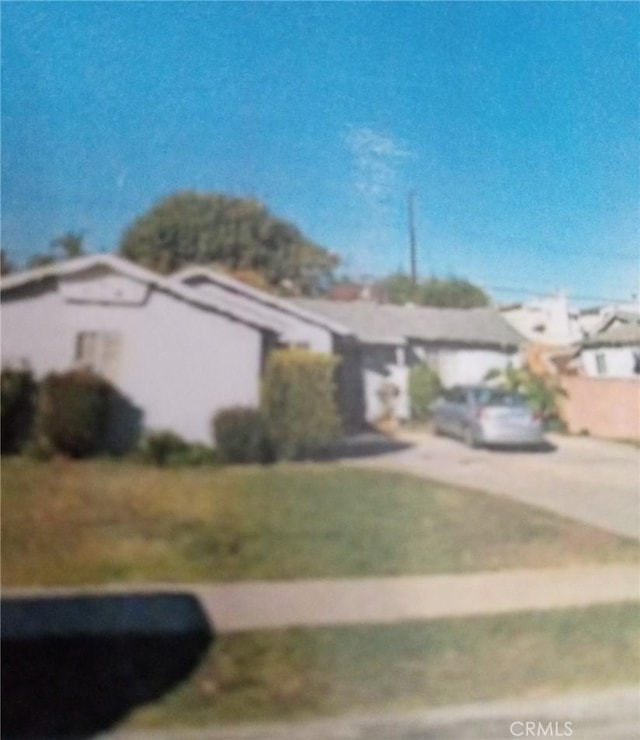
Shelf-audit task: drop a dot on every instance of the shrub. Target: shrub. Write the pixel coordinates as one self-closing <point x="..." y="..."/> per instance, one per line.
<point x="241" y="436"/>
<point x="298" y="402"/>
<point x="424" y="387"/>
<point x="165" y="447"/>
<point x="17" y="408"/>
<point x="72" y="412"/>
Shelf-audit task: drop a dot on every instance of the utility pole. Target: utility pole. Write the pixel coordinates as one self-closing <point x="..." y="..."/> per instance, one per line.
<point x="412" y="240"/>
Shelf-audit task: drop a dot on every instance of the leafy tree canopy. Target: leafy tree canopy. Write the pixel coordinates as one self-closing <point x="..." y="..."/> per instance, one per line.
<point x="238" y="234"/>
<point x="449" y="292"/>
<point x="6" y="265"/>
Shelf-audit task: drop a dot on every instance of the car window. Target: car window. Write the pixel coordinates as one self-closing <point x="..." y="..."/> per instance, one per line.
<point x="496" y="397"/>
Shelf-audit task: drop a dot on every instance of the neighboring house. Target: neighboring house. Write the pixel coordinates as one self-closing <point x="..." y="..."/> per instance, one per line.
<point x="614" y="351"/>
<point x="592" y="320"/>
<point x="548" y="321"/>
<point x="461" y="345"/>
<point x="175" y="356"/>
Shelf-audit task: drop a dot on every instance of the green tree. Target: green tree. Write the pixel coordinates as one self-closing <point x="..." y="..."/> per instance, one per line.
<point x="452" y="292"/>
<point x="68" y="245"/>
<point x="237" y="233"/>
<point x="6" y="265"/>
<point x="543" y="393"/>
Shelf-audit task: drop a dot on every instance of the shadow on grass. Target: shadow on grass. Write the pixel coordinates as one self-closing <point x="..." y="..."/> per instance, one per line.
<point x="75" y="666"/>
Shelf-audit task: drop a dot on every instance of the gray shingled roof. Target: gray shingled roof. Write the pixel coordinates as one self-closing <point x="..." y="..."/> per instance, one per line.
<point x="375" y="323"/>
<point x="621" y="332"/>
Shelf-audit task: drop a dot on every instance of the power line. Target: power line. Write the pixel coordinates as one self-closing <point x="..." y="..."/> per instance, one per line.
<point x="546" y="292"/>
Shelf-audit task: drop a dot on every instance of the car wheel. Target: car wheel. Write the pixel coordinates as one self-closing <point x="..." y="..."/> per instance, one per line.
<point x="470" y="438"/>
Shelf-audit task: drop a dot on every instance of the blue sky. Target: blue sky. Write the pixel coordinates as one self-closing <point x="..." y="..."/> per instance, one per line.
<point x="516" y="124"/>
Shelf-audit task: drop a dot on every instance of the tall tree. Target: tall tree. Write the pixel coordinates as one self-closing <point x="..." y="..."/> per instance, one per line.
<point x="6" y="265"/>
<point x="237" y="233"/>
<point x="68" y="245"/>
<point x="452" y="292"/>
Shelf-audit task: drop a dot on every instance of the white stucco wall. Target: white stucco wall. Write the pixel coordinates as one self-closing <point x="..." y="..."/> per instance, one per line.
<point x="464" y="366"/>
<point x="177" y="362"/>
<point x="470" y="366"/>
<point x="619" y="362"/>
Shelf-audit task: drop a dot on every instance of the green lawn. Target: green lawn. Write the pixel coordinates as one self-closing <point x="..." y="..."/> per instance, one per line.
<point x="66" y="522"/>
<point x="302" y="673"/>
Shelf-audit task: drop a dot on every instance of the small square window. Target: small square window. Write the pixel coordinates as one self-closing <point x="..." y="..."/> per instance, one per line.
<point x="99" y="351"/>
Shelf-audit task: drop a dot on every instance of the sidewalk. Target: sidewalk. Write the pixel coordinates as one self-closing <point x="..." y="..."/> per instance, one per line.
<point x="236" y="607"/>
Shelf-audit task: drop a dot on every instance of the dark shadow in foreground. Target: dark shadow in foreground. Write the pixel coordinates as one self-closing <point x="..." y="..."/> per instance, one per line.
<point x="75" y="666"/>
<point x="364" y="444"/>
<point x="544" y="447"/>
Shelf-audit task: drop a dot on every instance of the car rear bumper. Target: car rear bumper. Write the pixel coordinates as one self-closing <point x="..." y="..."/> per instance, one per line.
<point x="501" y="435"/>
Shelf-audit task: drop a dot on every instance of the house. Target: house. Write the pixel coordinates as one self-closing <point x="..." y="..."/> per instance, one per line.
<point x="548" y="321"/>
<point x="175" y="355"/>
<point x="614" y="350"/>
<point x="297" y="327"/>
<point x="461" y="345"/>
<point x="594" y="318"/>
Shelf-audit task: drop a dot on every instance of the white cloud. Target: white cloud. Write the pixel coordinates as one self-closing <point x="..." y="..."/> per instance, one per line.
<point x="378" y="191"/>
<point x="377" y="159"/>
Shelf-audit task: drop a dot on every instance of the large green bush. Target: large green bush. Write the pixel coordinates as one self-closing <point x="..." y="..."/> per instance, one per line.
<point x="298" y="402"/>
<point x="424" y="387"/>
<point x="17" y="406"/>
<point x="72" y="412"/>
<point x="241" y="436"/>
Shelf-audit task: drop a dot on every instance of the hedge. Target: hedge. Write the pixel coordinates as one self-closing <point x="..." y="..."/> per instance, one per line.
<point x="298" y="402"/>
<point x="424" y="388"/>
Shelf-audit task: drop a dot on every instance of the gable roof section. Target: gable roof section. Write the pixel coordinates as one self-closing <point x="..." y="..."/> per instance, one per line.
<point x="622" y="330"/>
<point x="375" y="323"/>
<point x="259" y="297"/>
<point x="68" y="268"/>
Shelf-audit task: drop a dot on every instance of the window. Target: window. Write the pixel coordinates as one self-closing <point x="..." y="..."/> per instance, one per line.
<point x="98" y="351"/>
<point x="601" y="363"/>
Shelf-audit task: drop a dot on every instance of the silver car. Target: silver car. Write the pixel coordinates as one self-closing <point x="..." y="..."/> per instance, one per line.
<point x="486" y="416"/>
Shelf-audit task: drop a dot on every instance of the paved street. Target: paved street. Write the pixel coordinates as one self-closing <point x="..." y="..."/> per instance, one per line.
<point x="605" y="715"/>
<point x="589" y="480"/>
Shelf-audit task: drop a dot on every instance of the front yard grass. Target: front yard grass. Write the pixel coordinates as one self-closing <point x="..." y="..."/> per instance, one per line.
<point x="312" y="672"/>
<point x="72" y="523"/>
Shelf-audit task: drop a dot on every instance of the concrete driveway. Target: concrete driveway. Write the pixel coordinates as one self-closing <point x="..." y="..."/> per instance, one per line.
<point x="589" y="480"/>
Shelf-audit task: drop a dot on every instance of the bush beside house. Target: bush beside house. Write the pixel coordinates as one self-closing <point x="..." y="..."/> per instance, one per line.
<point x="424" y="387"/>
<point x="72" y="412"/>
<point x="298" y="402"/>
<point x="17" y="408"/>
<point x="240" y="435"/>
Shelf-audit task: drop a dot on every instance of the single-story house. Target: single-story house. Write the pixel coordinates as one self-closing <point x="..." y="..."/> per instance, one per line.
<point x="175" y="355"/>
<point x="461" y="345"/>
<point x="180" y="348"/>
<point x="614" y="350"/>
